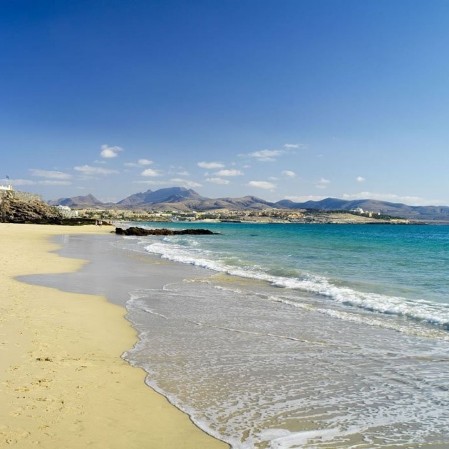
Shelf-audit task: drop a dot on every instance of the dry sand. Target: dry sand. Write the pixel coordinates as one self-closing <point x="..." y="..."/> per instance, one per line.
<point x="62" y="381"/>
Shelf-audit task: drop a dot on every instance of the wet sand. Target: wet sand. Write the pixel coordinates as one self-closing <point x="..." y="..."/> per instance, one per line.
<point x="62" y="381"/>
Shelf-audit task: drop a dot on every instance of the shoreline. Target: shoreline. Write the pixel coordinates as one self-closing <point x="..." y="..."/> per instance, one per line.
<point x="63" y="381"/>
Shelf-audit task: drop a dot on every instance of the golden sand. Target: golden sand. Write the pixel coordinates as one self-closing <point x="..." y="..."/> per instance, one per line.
<point x="62" y="382"/>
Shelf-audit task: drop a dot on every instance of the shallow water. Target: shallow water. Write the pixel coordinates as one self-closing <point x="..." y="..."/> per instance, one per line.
<point x="267" y="353"/>
<point x="324" y="337"/>
<point x="242" y="363"/>
<point x="400" y="270"/>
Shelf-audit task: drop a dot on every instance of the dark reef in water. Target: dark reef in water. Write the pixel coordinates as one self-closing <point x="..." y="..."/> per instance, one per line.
<point x="134" y="230"/>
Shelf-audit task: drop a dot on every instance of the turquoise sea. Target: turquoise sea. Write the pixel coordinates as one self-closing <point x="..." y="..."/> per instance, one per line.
<point x="315" y="336"/>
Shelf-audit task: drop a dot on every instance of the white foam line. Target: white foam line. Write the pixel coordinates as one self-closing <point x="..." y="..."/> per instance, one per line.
<point x="424" y="311"/>
<point x="298" y="439"/>
<point x="259" y="334"/>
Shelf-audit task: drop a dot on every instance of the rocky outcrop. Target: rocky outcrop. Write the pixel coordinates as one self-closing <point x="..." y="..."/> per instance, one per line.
<point x="134" y="230"/>
<point x="17" y="207"/>
<point x="20" y="207"/>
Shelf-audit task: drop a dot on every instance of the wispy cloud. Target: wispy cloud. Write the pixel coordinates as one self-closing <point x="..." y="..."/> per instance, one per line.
<point x="109" y="152"/>
<point x="322" y="183"/>
<point x="185" y="183"/>
<point x="272" y="155"/>
<point x="40" y="182"/>
<point x="151" y="173"/>
<point x="54" y="182"/>
<point x="19" y="182"/>
<point x="88" y="170"/>
<point x="178" y="170"/>
<point x="289" y="173"/>
<point x="219" y="181"/>
<point x="294" y="146"/>
<point x="227" y="172"/>
<point x="392" y="197"/>
<point x="304" y="198"/>
<point x="210" y="165"/>
<point x="149" y="182"/>
<point x="360" y="179"/>
<point x="262" y="185"/>
<point x="49" y="174"/>
<point x="139" y="163"/>
<point x="266" y="155"/>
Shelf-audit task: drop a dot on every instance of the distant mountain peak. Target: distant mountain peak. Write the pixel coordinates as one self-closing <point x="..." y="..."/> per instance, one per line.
<point x="77" y="201"/>
<point x="165" y="195"/>
<point x="184" y="199"/>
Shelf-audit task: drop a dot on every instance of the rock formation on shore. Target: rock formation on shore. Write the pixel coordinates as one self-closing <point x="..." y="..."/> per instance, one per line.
<point x="134" y="230"/>
<point x="17" y="207"/>
<point x="20" y="207"/>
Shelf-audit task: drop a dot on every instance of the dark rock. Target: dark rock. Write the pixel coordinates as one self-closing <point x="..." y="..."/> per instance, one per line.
<point x="19" y="207"/>
<point x="134" y="230"/>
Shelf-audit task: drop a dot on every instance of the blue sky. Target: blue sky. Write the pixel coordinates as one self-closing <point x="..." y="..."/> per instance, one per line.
<point x="278" y="99"/>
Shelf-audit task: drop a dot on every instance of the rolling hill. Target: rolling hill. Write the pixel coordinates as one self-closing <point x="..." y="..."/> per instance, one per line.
<point x="182" y="199"/>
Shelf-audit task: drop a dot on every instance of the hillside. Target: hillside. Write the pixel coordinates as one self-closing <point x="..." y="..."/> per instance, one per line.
<point x="77" y="202"/>
<point x="382" y="207"/>
<point x="185" y="200"/>
<point x="168" y="195"/>
<point x="173" y="198"/>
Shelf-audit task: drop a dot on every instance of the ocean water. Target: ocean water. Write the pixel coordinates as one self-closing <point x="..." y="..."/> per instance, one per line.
<point x="314" y="336"/>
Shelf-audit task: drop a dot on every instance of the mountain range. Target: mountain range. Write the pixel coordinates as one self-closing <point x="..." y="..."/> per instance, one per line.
<point x="182" y="199"/>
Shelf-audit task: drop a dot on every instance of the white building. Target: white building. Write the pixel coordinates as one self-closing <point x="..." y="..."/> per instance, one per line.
<point x="358" y="210"/>
<point x="66" y="212"/>
<point x="5" y="188"/>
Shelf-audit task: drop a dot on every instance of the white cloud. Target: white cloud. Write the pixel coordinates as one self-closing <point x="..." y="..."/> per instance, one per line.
<point x="178" y="170"/>
<point x="150" y="172"/>
<point x="294" y="146"/>
<point x="54" y="182"/>
<point x="29" y="182"/>
<point x="303" y="199"/>
<point x="262" y="185"/>
<point x="360" y="179"/>
<point x="272" y="155"/>
<point x="152" y="183"/>
<point x="92" y="171"/>
<point x="266" y="155"/>
<point x="210" y="165"/>
<point x="110" y="152"/>
<point x="185" y="183"/>
<point x="392" y="197"/>
<point x="19" y="182"/>
<point x="289" y="173"/>
<point x="220" y="181"/>
<point x="139" y="163"/>
<point x="225" y="172"/>
<point x="49" y="174"/>
<point x="322" y="183"/>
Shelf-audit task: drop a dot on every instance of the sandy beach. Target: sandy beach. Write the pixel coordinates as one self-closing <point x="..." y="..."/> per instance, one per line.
<point x="62" y="381"/>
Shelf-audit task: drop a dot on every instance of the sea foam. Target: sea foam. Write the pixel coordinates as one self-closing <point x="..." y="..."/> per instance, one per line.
<point x="421" y="310"/>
